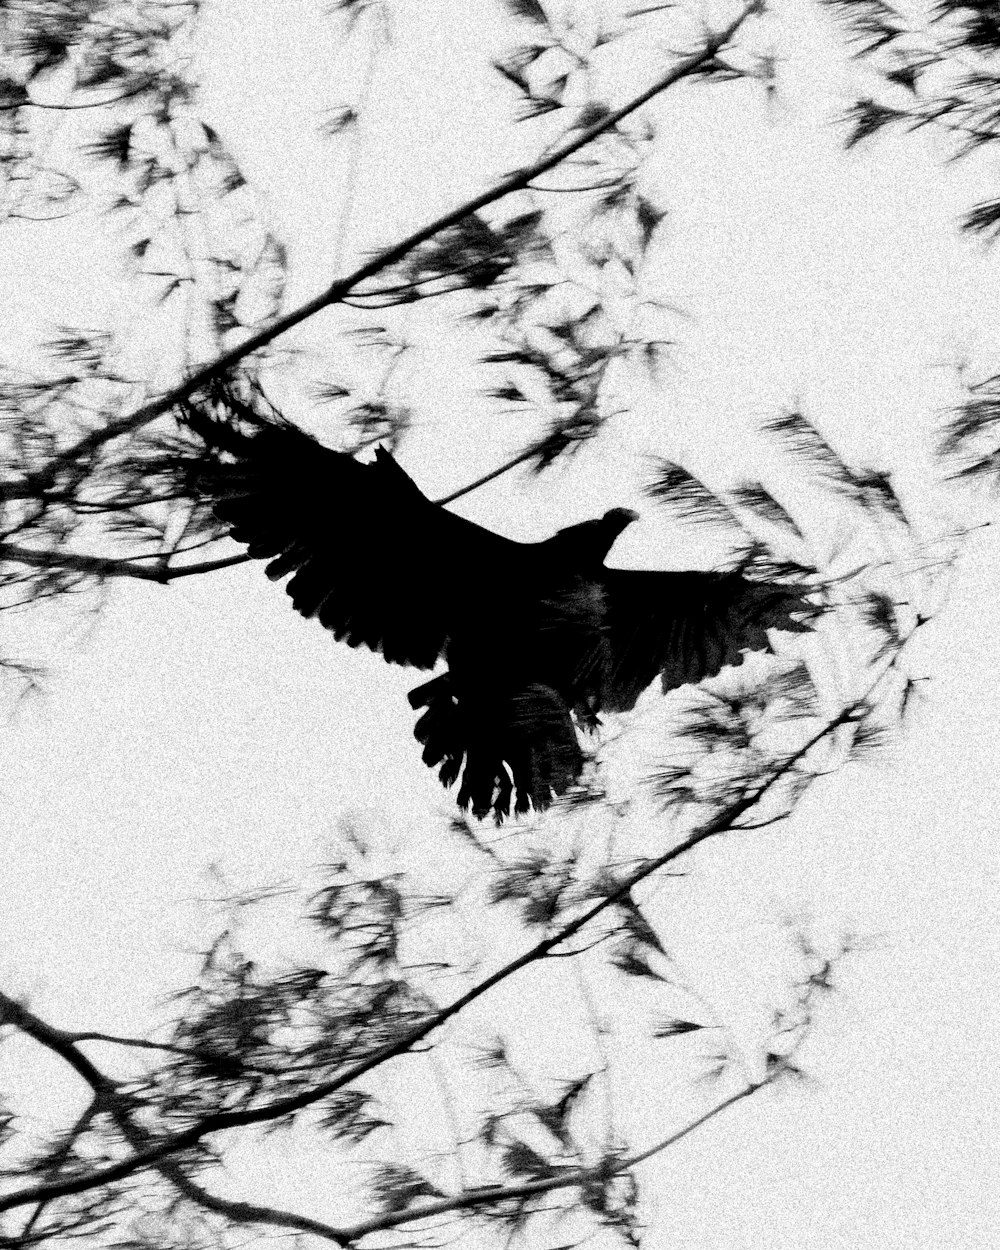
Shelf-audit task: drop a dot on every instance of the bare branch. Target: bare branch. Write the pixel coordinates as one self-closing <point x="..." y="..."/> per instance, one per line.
<point x="487" y="477"/>
<point x="336" y="292"/>
<point x="103" y="566"/>
<point x="174" y="1143"/>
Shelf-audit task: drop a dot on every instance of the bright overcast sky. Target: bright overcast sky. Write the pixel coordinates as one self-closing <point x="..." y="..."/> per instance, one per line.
<point x="206" y="723"/>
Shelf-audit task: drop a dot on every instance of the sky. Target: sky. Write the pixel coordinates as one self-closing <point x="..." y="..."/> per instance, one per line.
<point x="202" y="735"/>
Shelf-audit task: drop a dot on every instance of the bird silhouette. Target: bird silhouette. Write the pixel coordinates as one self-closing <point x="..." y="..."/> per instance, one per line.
<point x="538" y="638"/>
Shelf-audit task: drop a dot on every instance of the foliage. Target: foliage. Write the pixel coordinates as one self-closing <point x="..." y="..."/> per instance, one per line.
<point x="96" y="487"/>
<point x="89" y="472"/>
<point x="937" y="68"/>
<point x="305" y="1050"/>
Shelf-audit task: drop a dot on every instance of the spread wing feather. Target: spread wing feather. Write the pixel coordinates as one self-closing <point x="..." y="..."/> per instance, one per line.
<point x="370" y="556"/>
<point x="684" y="627"/>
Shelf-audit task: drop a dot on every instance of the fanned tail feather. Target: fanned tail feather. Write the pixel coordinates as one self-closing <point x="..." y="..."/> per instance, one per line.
<point x="522" y="748"/>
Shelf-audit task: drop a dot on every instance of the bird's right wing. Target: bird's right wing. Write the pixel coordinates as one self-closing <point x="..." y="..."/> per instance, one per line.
<point x="371" y="557"/>
<point x="684" y="627"/>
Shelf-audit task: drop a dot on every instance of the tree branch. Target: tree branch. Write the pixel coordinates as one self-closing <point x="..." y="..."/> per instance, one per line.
<point x="570" y="1177"/>
<point x="155" y="1153"/>
<point x="487" y="477"/>
<point x="108" y="1100"/>
<point x="246" y="1212"/>
<point x="516" y="181"/>
<point x="56" y="1040"/>
<point x="102" y="566"/>
<point x="28" y="102"/>
<point x="251" y="1213"/>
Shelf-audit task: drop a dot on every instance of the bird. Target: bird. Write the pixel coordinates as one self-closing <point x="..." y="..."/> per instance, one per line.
<point x="538" y="638"/>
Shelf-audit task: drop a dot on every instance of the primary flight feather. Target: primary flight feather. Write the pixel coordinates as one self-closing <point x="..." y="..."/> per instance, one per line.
<point x="538" y="638"/>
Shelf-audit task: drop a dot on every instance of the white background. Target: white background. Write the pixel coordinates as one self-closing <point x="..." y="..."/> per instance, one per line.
<point x="206" y="724"/>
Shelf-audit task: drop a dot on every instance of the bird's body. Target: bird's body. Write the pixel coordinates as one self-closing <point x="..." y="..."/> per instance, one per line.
<point x="538" y="638"/>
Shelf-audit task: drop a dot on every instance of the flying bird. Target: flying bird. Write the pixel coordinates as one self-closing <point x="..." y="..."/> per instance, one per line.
<point x="539" y="638"/>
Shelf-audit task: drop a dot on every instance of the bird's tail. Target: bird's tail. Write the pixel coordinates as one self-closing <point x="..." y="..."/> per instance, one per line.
<point x="521" y="747"/>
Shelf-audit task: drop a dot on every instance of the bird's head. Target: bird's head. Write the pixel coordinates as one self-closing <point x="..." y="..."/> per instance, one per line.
<point x="617" y="519"/>
<point x="590" y="541"/>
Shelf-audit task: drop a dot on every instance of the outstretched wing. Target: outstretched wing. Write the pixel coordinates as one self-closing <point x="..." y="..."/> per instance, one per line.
<point x="371" y="557"/>
<point x="683" y="627"/>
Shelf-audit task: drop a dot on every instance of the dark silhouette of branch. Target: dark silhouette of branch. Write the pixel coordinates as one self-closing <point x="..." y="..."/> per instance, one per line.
<point x="206" y="566"/>
<point x="154" y="1153"/>
<point x="245" y="1212"/>
<point x="57" y="1040"/>
<point x="516" y="181"/>
<point x="103" y="566"/>
<point x="520" y="458"/>
<point x="106" y="1099"/>
<point x="55" y="1161"/>
<point x="569" y="1178"/>
<point x="147" y="81"/>
<point x="252" y="1213"/>
<point x="190" y="1052"/>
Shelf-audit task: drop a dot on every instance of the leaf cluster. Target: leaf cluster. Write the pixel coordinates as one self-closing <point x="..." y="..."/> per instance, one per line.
<point x="938" y="68"/>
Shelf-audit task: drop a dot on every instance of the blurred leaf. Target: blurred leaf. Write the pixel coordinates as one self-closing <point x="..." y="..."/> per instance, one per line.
<point x="669" y="1026"/>
<point x="520" y="1160"/>
<point x="591" y="114"/>
<point x="86" y="347"/>
<point x="870" y="738"/>
<point x="867" y="118"/>
<point x="875" y="491"/>
<point x="627" y="958"/>
<point x="114" y="145"/>
<point x="565" y="436"/>
<point x="636" y="924"/>
<point x="905" y="76"/>
<point x="983" y="219"/>
<point x="346" y="1117"/>
<point x="687" y="496"/>
<point x="757" y="499"/>
<point x="648" y="217"/>
<point x="339" y="120"/>
<point x="13" y="95"/>
<point x="514" y="74"/>
<point x="510" y="393"/>
<point x="871" y="22"/>
<point x="806" y="443"/>
<point x="395" y="1187"/>
<point x="529" y="9"/>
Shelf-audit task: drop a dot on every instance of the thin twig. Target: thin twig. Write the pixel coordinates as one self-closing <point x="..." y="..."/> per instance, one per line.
<point x="516" y="181"/>
<point x="487" y="477"/>
<point x="220" y="1121"/>
<point x="104" y="566"/>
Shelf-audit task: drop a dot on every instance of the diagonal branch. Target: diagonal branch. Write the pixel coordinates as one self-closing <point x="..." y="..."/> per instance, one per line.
<point x="569" y="1177"/>
<point x="58" y="1041"/>
<point x="336" y="292"/>
<point x="245" y="1212"/>
<point x="487" y="477"/>
<point x="252" y="1213"/>
<point x="111" y="1102"/>
<point x="156" y="1152"/>
<point x="104" y="566"/>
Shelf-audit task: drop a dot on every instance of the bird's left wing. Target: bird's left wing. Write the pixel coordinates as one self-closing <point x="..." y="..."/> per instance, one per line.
<point x="683" y="627"/>
<point x="371" y="557"/>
